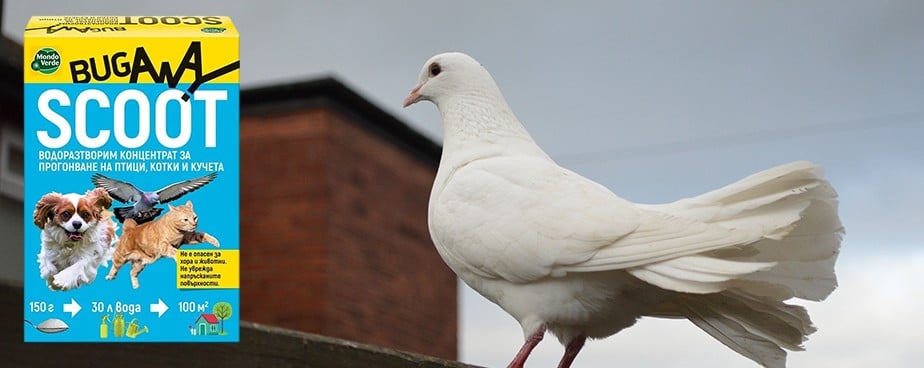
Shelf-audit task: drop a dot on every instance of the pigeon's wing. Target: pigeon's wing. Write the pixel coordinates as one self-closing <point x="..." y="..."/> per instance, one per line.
<point x="177" y="190"/>
<point x="524" y="218"/>
<point x="124" y="192"/>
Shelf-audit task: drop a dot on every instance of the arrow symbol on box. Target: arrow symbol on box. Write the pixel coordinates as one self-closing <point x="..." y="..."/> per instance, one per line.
<point x="72" y="307"/>
<point x="159" y="308"/>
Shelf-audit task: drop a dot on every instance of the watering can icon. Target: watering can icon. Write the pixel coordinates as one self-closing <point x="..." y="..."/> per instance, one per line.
<point x="133" y="329"/>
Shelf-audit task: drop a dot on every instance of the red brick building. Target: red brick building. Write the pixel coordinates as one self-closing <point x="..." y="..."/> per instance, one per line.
<point x="334" y="221"/>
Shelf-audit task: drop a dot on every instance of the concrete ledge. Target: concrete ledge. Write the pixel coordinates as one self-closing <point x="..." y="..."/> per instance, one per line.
<point x="260" y="346"/>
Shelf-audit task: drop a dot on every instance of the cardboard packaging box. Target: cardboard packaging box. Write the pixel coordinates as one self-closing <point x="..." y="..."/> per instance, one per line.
<point x="131" y="179"/>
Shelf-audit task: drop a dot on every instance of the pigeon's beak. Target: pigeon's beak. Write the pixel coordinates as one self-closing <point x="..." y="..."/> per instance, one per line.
<point x="413" y="97"/>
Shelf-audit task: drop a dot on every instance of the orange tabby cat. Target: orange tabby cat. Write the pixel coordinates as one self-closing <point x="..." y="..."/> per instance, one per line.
<point x="143" y="244"/>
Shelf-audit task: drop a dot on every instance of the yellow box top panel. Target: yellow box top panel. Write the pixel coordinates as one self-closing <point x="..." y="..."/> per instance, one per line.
<point x="131" y="49"/>
<point x="130" y="26"/>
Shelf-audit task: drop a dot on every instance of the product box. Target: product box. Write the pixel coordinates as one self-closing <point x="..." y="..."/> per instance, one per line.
<point x="131" y="179"/>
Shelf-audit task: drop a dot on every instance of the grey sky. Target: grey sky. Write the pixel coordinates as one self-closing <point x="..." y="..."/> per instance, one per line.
<point x="609" y="87"/>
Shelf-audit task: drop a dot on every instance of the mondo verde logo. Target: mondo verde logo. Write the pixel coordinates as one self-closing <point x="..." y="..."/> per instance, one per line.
<point x="46" y="61"/>
<point x="213" y="29"/>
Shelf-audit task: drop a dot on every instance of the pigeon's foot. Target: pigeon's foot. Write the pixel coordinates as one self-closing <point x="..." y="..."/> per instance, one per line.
<point x="571" y="351"/>
<point x="528" y="347"/>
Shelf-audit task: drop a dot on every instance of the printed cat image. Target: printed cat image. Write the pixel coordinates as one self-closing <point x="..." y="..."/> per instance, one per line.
<point x="143" y="244"/>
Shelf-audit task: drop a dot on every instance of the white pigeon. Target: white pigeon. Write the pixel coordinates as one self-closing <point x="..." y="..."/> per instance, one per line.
<point x="563" y="254"/>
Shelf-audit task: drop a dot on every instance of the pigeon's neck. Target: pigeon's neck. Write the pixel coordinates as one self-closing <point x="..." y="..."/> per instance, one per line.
<point x="483" y="122"/>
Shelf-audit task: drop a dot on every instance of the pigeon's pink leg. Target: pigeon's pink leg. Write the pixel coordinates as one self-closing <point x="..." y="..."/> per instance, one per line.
<point x="571" y="351"/>
<point x="527" y="348"/>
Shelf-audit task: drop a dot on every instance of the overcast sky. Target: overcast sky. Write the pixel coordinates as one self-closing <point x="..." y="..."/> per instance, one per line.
<point x="656" y="100"/>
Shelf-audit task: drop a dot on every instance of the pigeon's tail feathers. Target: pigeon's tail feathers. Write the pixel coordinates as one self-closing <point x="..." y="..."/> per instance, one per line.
<point x="755" y="327"/>
<point x="771" y="200"/>
<point x="697" y="274"/>
<point x="147" y="216"/>
<point x="122" y="213"/>
<point x="795" y="211"/>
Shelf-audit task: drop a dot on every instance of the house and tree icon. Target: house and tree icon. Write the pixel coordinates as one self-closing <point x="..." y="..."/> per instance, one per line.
<point x="212" y="323"/>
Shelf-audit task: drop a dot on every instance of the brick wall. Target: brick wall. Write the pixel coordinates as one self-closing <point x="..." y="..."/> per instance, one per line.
<point x="284" y="220"/>
<point x="334" y="234"/>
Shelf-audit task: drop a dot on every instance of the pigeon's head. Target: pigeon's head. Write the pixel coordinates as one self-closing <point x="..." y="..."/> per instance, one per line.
<point x="450" y="75"/>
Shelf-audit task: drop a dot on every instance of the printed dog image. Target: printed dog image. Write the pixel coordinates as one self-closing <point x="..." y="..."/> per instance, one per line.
<point x="77" y="236"/>
<point x="143" y="244"/>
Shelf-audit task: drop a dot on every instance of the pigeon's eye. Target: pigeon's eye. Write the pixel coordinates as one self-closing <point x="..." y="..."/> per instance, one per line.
<point x="435" y="69"/>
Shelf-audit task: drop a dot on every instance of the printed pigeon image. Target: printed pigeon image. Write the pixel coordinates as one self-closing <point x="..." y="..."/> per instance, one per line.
<point x="143" y="208"/>
<point x="563" y="254"/>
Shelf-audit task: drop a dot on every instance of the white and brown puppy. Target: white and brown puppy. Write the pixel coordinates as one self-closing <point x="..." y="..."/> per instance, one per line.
<point x="77" y="236"/>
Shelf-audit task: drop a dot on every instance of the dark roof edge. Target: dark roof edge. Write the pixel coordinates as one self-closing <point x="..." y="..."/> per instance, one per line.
<point x="330" y="92"/>
<point x="11" y="75"/>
